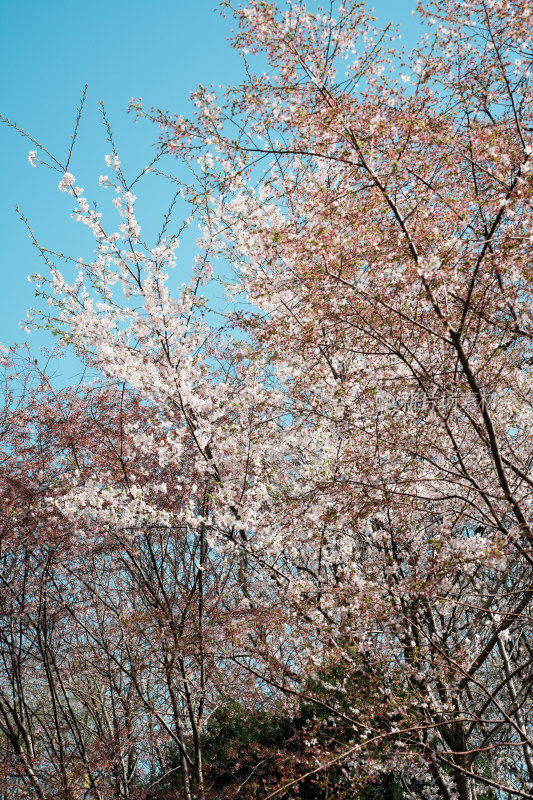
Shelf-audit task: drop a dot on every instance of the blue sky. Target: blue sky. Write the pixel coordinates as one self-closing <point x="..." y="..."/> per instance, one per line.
<point x="159" y="51"/>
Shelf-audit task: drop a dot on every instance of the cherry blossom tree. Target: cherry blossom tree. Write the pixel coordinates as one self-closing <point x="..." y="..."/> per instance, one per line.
<point x="112" y="636"/>
<point x="386" y="248"/>
<point x="328" y="496"/>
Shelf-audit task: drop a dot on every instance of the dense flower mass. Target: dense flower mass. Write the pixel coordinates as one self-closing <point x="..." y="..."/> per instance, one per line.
<point x="290" y="553"/>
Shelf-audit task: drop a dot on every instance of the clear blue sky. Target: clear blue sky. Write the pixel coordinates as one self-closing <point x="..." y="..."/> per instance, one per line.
<point x="157" y="50"/>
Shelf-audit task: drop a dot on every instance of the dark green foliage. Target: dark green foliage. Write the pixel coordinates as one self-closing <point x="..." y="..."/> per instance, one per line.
<point x="166" y="784"/>
<point x="247" y="753"/>
<point x="246" y="749"/>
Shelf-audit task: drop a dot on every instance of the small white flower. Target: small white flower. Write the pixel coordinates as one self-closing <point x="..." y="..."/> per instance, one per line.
<point x="112" y="161"/>
<point x="66" y="181"/>
<point x="32" y="157"/>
